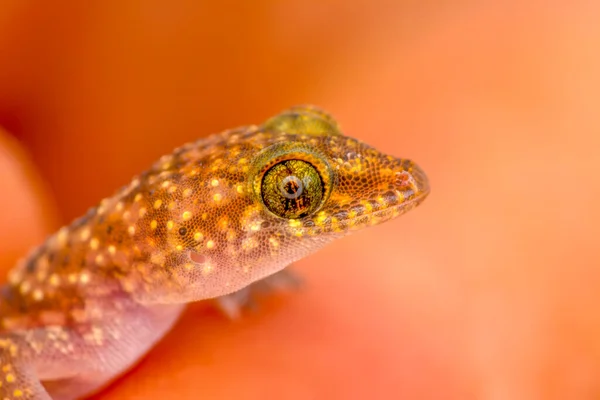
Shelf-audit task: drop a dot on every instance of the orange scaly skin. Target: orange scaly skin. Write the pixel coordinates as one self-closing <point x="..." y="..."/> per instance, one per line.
<point x="203" y="222"/>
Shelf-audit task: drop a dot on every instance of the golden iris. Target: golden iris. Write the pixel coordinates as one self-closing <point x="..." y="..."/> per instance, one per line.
<point x="292" y="189"/>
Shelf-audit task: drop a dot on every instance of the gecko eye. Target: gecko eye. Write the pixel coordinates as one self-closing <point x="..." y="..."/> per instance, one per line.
<point x="291" y="179"/>
<point x="292" y="189"/>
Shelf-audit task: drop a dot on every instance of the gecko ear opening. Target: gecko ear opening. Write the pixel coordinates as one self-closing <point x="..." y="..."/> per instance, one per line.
<point x="197" y="257"/>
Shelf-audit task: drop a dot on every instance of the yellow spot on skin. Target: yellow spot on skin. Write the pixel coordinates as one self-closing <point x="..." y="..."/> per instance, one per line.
<point x="217" y="197"/>
<point x="179" y="247"/>
<point x="142" y="212"/>
<point x="321" y="218"/>
<point x="85" y="234"/>
<point x="249" y="243"/>
<point x="188" y="266"/>
<point x="112" y="249"/>
<point x="72" y="278"/>
<point x="204" y="216"/>
<point x="223" y="223"/>
<point x="127" y="215"/>
<point x="94" y="243"/>
<point x="335" y="222"/>
<point x="54" y="280"/>
<point x="153" y="224"/>
<point x="102" y="207"/>
<point x="186" y="215"/>
<point x="137" y="197"/>
<point x="6" y="368"/>
<point x="166" y="184"/>
<point x="170" y="225"/>
<point x="63" y="236"/>
<point x="131" y="230"/>
<point x="207" y="268"/>
<point x="171" y="205"/>
<point x="38" y="295"/>
<point x="274" y="242"/>
<point x="172" y="189"/>
<point x="25" y="287"/>
<point x="214" y="182"/>
<point x="18" y="393"/>
<point x="187" y="192"/>
<point x="157" y="204"/>
<point x="231" y="235"/>
<point x="294" y="223"/>
<point x="84" y="277"/>
<point x="119" y="206"/>
<point x="400" y="196"/>
<point x="99" y="259"/>
<point x="210" y="244"/>
<point x="10" y="378"/>
<point x="198" y="236"/>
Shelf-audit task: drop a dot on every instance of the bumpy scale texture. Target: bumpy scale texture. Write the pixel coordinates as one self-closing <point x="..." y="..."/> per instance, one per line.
<point x="205" y="221"/>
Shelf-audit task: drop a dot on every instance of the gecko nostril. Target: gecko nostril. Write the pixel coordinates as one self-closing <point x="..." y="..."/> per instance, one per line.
<point x="401" y="178"/>
<point x="406" y="181"/>
<point x="197" y="257"/>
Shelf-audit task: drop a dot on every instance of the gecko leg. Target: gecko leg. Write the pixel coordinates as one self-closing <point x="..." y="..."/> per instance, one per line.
<point x="18" y="377"/>
<point x="232" y="304"/>
<point x="57" y="362"/>
<point x="123" y="342"/>
<point x="78" y="360"/>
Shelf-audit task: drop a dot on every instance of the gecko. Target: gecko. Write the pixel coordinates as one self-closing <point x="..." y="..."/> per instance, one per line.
<point x="212" y="219"/>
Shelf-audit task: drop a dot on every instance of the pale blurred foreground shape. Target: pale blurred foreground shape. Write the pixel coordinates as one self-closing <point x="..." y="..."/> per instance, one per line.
<point x="489" y="291"/>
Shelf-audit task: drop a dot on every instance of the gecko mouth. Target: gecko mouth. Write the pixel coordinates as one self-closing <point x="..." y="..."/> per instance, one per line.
<point x="378" y="212"/>
<point x="387" y="206"/>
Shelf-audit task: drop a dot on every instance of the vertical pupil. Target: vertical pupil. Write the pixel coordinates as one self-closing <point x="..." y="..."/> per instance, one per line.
<point x="291" y="187"/>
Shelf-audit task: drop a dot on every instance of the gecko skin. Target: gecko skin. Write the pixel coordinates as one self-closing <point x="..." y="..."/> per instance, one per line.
<point x="204" y="222"/>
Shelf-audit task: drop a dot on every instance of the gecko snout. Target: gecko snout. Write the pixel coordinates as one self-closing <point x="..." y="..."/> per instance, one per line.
<point x="382" y="194"/>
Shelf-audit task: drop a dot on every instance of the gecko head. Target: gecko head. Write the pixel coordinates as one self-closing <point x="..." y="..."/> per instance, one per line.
<point x="320" y="183"/>
<point x="308" y="184"/>
<point x="251" y="201"/>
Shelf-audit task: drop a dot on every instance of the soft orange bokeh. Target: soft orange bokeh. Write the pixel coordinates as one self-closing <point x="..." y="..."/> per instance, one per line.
<point x="489" y="290"/>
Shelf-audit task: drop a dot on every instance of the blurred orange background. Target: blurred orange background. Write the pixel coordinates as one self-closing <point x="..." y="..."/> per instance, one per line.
<point x="489" y="290"/>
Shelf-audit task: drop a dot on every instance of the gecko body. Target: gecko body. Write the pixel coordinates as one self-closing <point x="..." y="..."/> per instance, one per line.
<point x="203" y="222"/>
